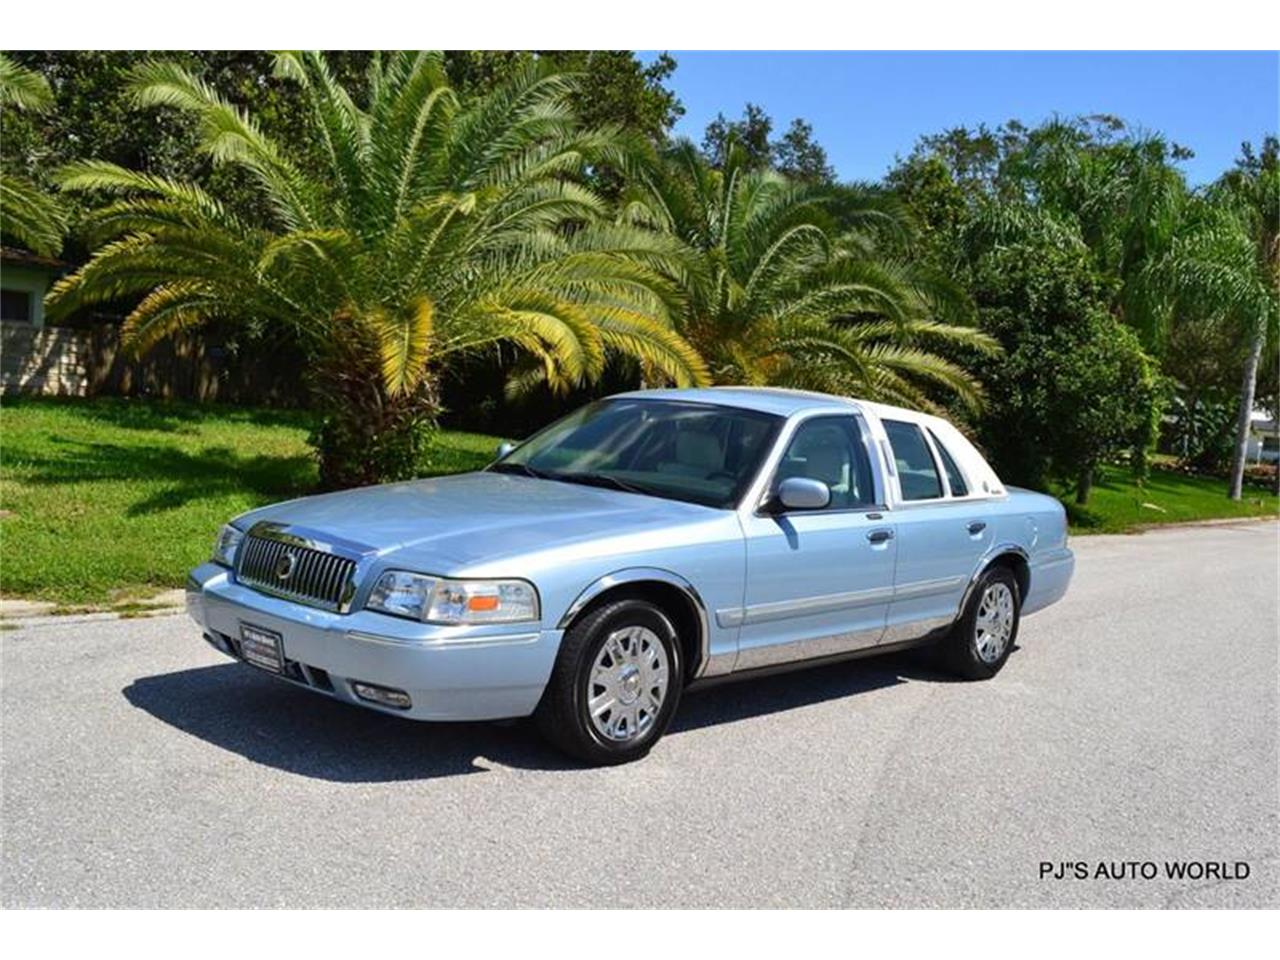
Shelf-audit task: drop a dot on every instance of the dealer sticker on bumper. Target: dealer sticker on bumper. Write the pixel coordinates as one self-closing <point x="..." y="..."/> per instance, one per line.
<point x="262" y="648"/>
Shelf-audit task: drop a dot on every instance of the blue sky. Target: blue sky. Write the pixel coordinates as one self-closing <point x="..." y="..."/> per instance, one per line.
<point x="867" y="107"/>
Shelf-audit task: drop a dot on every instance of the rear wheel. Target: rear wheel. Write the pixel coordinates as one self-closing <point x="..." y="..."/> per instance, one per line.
<point x="981" y="641"/>
<point x="615" y="685"/>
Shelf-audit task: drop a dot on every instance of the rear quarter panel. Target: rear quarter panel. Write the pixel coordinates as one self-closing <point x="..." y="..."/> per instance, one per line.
<point x="1037" y="523"/>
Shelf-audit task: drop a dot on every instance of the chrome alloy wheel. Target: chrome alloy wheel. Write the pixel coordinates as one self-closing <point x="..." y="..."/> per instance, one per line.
<point x="993" y="625"/>
<point x="628" y="683"/>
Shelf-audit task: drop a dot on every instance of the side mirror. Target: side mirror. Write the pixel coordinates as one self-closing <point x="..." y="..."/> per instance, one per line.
<point x="505" y="447"/>
<point x="803" y="493"/>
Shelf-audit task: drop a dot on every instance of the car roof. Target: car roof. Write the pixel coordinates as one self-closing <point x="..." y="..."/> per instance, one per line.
<point x="775" y="400"/>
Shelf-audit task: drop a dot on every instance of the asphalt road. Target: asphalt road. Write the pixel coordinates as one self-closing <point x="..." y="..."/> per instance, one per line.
<point x="1137" y="721"/>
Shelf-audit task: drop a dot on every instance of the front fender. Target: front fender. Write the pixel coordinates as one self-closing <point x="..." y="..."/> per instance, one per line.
<point x="627" y="575"/>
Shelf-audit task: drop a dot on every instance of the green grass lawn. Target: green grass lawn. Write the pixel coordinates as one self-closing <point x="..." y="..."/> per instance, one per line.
<point x="1117" y="504"/>
<point x="106" y="502"/>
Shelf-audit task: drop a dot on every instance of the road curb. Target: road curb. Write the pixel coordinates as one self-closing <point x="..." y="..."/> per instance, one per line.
<point x="27" y="611"/>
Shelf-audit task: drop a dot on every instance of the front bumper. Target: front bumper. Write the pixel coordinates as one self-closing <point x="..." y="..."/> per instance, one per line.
<point x="450" y="673"/>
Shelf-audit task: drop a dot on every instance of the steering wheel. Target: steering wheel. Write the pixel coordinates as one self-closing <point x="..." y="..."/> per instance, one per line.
<point x="724" y="474"/>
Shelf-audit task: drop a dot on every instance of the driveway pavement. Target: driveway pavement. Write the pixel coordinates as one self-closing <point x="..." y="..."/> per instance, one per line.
<point x="1137" y="722"/>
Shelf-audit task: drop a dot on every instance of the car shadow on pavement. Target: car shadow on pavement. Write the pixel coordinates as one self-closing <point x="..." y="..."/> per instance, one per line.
<point x="742" y="699"/>
<point x="267" y="721"/>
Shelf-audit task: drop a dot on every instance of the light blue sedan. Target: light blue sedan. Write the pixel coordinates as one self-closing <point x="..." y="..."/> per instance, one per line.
<point x="643" y="545"/>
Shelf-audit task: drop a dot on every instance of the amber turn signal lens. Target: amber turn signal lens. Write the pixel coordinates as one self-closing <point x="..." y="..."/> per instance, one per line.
<point x="482" y="603"/>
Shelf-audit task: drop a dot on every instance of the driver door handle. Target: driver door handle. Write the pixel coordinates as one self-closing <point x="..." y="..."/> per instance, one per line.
<point x="880" y="536"/>
<point x="977" y="527"/>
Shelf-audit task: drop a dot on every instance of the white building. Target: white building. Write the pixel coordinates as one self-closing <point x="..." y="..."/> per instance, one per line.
<point x="1263" y="445"/>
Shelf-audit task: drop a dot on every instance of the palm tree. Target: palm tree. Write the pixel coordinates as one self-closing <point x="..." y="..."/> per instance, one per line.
<point x="430" y="225"/>
<point x="29" y="215"/>
<point x="1124" y="198"/>
<point x="775" y="296"/>
<point x="1248" y="254"/>
<point x="1225" y="264"/>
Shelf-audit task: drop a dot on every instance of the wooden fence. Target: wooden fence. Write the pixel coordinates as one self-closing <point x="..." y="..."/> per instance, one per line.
<point x="87" y="361"/>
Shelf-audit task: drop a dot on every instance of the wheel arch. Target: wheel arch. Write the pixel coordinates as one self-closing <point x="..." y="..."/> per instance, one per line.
<point x="1010" y="555"/>
<point x="669" y="591"/>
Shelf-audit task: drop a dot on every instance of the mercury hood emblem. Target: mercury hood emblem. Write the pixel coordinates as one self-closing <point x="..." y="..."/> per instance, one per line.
<point x="284" y="566"/>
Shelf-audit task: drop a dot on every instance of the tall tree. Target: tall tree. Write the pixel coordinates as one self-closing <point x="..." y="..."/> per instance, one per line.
<point x="1115" y="195"/>
<point x="1074" y="386"/>
<point x="1226" y="262"/>
<point x="748" y="137"/>
<point x="796" y="154"/>
<point x="776" y="296"/>
<point x="799" y="156"/>
<point x="403" y="232"/>
<point x="614" y="89"/>
<point x="95" y="119"/>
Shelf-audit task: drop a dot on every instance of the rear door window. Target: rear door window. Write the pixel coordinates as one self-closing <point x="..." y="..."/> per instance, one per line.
<point x="917" y="472"/>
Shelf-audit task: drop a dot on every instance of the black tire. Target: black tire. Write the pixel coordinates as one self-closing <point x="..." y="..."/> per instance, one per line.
<point x="961" y="648"/>
<point x="562" y="714"/>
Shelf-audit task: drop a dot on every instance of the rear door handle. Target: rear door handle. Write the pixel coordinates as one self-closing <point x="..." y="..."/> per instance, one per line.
<point x="977" y="527"/>
<point x="880" y="536"/>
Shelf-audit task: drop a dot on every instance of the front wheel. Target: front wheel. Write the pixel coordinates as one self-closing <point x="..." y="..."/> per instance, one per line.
<point x="981" y="640"/>
<point x="615" y="685"/>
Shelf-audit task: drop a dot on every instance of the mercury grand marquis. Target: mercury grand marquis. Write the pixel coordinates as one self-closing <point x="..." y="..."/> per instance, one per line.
<point x="645" y="544"/>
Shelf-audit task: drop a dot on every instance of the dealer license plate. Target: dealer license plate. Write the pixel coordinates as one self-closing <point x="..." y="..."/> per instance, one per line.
<point x="262" y="648"/>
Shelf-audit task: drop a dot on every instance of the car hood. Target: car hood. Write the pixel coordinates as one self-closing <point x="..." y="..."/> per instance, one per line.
<point x="452" y="522"/>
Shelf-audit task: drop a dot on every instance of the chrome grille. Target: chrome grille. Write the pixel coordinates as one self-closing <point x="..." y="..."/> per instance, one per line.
<point x="315" y="577"/>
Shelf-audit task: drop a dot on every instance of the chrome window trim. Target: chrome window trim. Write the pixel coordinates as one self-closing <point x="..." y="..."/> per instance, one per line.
<point x="944" y="481"/>
<point x="939" y="448"/>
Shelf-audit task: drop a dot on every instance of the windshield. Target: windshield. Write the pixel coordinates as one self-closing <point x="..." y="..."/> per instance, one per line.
<point x="697" y="452"/>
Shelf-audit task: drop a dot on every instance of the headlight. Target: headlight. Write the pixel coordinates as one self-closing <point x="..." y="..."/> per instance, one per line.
<point x="433" y="600"/>
<point x="483" y="601"/>
<point x="402" y="594"/>
<point x="224" y="548"/>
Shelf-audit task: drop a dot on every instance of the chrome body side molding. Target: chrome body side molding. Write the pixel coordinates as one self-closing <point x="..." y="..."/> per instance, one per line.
<point x="805" y="606"/>
<point x="781" y="610"/>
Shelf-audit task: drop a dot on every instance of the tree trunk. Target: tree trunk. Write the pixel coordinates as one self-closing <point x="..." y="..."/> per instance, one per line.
<point x="1084" y="486"/>
<point x="1245" y="413"/>
<point x="367" y="436"/>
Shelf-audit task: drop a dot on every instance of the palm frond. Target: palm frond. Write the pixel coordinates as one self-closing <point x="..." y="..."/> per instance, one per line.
<point x="405" y="344"/>
<point x="230" y="136"/>
<point x="30" y="215"/>
<point x="22" y="88"/>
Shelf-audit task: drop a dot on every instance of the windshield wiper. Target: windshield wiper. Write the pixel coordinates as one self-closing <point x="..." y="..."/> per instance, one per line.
<point x="587" y="479"/>
<point x="603" y="480"/>
<point x="521" y="468"/>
